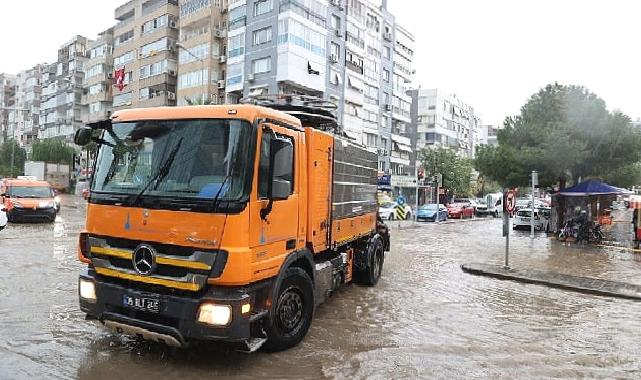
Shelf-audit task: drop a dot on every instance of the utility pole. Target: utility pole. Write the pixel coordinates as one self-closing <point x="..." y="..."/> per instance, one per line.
<point x="535" y="182"/>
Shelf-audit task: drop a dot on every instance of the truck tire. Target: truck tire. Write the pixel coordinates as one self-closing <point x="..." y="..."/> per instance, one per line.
<point x="376" y="257"/>
<point x="291" y="312"/>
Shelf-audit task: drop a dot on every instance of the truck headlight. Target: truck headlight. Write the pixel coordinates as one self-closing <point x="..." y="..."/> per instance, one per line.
<point x="217" y="315"/>
<point x="88" y="290"/>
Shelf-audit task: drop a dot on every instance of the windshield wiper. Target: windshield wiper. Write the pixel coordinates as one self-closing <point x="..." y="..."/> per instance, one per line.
<point x="162" y="171"/>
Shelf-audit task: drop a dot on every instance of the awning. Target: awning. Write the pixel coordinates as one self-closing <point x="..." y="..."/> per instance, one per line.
<point x="403" y="147"/>
<point x="352" y="135"/>
<point x="591" y="187"/>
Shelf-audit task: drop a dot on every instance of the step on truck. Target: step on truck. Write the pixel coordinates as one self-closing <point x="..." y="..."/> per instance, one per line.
<point x="226" y="223"/>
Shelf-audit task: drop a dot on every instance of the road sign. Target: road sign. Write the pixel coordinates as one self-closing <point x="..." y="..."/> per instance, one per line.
<point x="510" y="201"/>
<point x="399" y="212"/>
<point x="400" y="200"/>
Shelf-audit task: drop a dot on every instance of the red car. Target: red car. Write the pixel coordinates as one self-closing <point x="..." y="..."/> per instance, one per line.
<point x="460" y="210"/>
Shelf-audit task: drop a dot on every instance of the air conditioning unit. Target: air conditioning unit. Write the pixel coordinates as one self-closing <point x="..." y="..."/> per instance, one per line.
<point x="172" y="72"/>
<point x="219" y="33"/>
<point x="173" y="24"/>
<point x="221" y="84"/>
<point x="224" y="10"/>
<point x="171" y="95"/>
<point x="250" y="77"/>
<point x="222" y="59"/>
<point x="339" y="33"/>
<point x="387" y="36"/>
<point x="388" y="107"/>
<point x="110" y="75"/>
<point x="333" y="58"/>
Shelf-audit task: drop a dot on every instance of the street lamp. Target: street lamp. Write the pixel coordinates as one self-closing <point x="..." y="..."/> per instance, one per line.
<point x="202" y="66"/>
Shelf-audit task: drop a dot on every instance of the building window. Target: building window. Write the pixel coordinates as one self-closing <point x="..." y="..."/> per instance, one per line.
<point x="155" y="46"/>
<point x="236" y="45"/>
<point x="262" y="36"/>
<point x="122" y="99"/>
<point x="121" y="60"/>
<point x="387" y="52"/>
<point x="95" y="70"/>
<point x="154" y="24"/>
<point x="335" y="51"/>
<point x="156" y="68"/>
<point x="192" y="6"/>
<point x="312" y="10"/>
<point x="237" y="17"/>
<point x="336" y="22"/>
<point x="193" y="79"/>
<point x="189" y="54"/>
<point x="262" y="6"/>
<point x="386" y="75"/>
<point x="235" y="73"/>
<point x="294" y="32"/>
<point x="262" y="65"/>
<point x="125" y="37"/>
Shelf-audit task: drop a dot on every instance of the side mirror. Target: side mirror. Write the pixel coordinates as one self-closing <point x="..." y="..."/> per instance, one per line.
<point x="83" y="136"/>
<point x="281" y="164"/>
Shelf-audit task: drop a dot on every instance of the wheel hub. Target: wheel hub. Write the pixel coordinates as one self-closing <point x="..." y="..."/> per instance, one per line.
<point x="290" y="309"/>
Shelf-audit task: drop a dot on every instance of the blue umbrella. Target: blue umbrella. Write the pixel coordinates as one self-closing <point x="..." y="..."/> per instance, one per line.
<point x="591" y="187"/>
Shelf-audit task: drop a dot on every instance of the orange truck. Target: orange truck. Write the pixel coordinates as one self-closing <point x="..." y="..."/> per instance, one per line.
<point x="226" y="223"/>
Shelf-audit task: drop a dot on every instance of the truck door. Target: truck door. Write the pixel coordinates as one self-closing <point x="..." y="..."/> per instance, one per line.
<point x="274" y="229"/>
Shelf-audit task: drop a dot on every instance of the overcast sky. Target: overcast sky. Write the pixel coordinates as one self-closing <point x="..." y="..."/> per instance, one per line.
<point x="492" y="53"/>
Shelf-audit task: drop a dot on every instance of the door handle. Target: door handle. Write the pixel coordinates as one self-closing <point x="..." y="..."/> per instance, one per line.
<point x="290" y="244"/>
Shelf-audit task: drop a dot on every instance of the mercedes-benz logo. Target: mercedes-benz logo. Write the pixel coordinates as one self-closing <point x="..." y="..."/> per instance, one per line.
<point x="144" y="259"/>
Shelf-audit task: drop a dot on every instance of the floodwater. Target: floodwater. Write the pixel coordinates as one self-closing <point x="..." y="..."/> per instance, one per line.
<point x="425" y="319"/>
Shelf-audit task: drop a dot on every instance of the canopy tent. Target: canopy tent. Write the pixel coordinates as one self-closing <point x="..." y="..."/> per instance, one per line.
<point x="591" y="187"/>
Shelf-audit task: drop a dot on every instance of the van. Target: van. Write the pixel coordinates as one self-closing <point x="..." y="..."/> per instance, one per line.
<point x="28" y="200"/>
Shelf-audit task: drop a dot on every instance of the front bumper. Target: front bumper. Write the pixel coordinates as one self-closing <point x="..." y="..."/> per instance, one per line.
<point x="426" y="218"/>
<point x="30" y="214"/>
<point x="175" y="324"/>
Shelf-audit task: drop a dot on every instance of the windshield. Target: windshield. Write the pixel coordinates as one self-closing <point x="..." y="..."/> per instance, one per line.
<point x="30" y="192"/>
<point x="431" y="207"/>
<point x="178" y="158"/>
<point x="388" y="205"/>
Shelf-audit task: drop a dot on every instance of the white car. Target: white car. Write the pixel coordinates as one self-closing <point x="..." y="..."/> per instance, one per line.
<point x="3" y="217"/>
<point x="522" y="220"/>
<point x="387" y="211"/>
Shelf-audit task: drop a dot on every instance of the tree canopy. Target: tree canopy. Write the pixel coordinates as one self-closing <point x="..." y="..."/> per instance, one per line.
<point x="563" y="132"/>
<point x="456" y="171"/>
<point x="20" y="155"/>
<point x="52" y="150"/>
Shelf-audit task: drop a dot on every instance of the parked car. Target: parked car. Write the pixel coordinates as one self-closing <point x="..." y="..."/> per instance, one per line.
<point x="522" y="203"/>
<point x="460" y="210"/>
<point x="481" y="209"/>
<point x="494" y="204"/>
<point x="3" y="217"/>
<point x="522" y="220"/>
<point x="387" y="211"/>
<point x="432" y="212"/>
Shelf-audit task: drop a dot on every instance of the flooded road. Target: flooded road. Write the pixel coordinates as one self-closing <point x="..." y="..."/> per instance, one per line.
<point x="425" y="319"/>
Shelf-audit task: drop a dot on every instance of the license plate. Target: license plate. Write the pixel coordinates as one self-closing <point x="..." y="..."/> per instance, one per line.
<point x="141" y="303"/>
<point x="525" y="220"/>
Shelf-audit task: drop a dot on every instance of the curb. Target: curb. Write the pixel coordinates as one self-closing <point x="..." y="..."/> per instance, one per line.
<point x="586" y="285"/>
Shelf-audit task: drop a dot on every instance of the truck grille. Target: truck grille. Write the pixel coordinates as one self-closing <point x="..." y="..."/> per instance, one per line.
<point x="163" y="265"/>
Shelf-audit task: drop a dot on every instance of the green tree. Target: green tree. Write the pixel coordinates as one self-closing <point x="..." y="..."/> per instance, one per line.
<point x="19" y="157"/>
<point x="456" y="171"/>
<point x="52" y="150"/>
<point x="565" y="133"/>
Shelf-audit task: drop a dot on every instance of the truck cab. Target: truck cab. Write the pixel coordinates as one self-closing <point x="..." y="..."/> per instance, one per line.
<point x="221" y="223"/>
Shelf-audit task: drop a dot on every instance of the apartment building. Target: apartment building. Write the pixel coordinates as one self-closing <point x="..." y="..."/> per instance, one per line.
<point x="444" y="120"/>
<point x="23" y="119"/>
<point x="202" y="52"/>
<point x="351" y="52"/>
<point x="145" y="52"/>
<point x="61" y="108"/>
<point x="98" y="79"/>
<point x="7" y="101"/>
<point x="488" y="135"/>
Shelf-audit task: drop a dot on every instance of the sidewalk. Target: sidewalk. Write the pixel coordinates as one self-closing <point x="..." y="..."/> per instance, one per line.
<point x="586" y="285"/>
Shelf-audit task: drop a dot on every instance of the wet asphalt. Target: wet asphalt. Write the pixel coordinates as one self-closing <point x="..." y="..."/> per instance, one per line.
<point x="425" y="318"/>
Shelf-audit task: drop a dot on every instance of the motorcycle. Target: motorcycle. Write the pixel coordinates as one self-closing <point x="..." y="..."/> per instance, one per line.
<point x="569" y="230"/>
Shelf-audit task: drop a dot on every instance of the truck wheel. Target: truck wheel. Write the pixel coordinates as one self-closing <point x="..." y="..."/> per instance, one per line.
<point x="408" y="216"/>
<point x="372" y="273"/>
<point x="391" y="217"/>
<point x="291" y="312"/>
